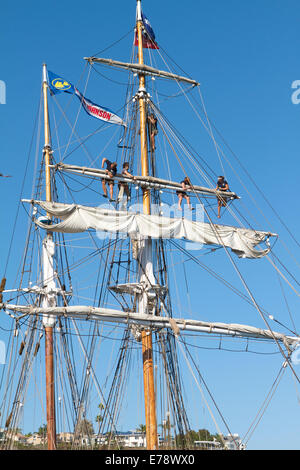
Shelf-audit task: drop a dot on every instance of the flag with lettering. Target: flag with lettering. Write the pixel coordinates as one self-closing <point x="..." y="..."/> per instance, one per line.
<point x="99" y="112"/>
<point x="58" y="84"/>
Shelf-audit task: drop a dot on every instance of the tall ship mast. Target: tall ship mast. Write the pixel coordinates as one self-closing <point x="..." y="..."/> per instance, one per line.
<point x="49" y="299"/>
<point x="145" y="259"/>
<point x="125" y="269"/>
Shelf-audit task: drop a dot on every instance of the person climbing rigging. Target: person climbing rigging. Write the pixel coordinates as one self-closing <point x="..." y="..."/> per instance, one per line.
<point x="186" y="185"/>
<point x="222" y="185"/>
<point x="152" y="120"/>
<point x="111" y="170"/>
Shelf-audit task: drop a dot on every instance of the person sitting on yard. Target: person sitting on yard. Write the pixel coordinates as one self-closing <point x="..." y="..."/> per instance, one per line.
<point x="186" y="185"/>
<point x="222" y="185"/>
<point x="111" y="170"/>
<point x="124" y="185"/>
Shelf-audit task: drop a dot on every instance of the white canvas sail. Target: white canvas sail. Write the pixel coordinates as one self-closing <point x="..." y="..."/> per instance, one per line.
<point x="178" y="325"/>
<point x="77" y="218"/>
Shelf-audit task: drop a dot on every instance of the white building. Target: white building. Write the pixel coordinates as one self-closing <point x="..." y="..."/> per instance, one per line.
<point x="233" y="442"/>
<point x="35" y="439"/>
<point x="208" y="445"/>
<point x="65" y="436"/>
<point x="124" y="439"/>
<point x="132" y="439"/>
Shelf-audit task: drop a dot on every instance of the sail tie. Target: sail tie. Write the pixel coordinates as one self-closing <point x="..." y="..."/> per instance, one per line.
<point x="174" y="326"/>
<point x="2" y="287"/>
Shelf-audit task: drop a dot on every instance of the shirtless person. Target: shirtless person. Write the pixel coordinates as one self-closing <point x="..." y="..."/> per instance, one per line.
<point x="111" y="170"/>
<point x="152" y="129"/>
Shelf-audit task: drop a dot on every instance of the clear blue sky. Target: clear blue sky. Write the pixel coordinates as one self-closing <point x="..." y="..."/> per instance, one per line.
<point x="246" y="56"/>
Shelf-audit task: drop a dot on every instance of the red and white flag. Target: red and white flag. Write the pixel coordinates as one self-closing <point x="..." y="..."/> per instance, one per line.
<point x="148" y="35"/>
<point x="99" y="112"/>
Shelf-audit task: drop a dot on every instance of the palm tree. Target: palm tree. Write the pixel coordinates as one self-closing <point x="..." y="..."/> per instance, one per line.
<point x="85" y="427"/>
<point x="42" y="432"/>
<point x="99" y="417"/>
<point x="166" y="429"/>
<point x="141" y="428"/>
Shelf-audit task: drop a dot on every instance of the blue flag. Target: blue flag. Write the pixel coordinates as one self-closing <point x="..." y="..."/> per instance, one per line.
<point x="148" y="28"/>
<point x="148" y="36"/>
<point x="58" y="84"/>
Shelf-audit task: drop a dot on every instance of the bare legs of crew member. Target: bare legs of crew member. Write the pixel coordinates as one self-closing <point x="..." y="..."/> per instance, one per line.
<point x="187" y="198"/>
<point x="111" y="189"/>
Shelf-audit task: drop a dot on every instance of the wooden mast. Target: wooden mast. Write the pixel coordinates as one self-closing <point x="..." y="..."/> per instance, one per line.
<point x="49" y="359"/>
<point x="147" y="350"/>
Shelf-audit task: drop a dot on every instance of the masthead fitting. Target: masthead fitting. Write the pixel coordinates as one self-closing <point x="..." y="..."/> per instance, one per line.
<point x="45" y="75"/>
<point x="138" y="10"/>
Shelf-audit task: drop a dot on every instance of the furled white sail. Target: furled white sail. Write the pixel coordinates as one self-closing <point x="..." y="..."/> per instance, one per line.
<point x="176" y="324"/>
<point x="78" y="218"/>
<point x="144" y="181"/>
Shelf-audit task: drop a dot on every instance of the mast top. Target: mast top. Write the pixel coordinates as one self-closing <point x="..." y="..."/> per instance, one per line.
<point x="138" y="10"/>
<point x="45" y="73"/>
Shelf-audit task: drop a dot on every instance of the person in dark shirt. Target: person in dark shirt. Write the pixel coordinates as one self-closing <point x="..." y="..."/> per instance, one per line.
<point x="222" y="185"/>
<point x="111" y="170"/>
<point x="123" y="185"/>
<point x="152" y="129"/>
<point x="185" y="184"/>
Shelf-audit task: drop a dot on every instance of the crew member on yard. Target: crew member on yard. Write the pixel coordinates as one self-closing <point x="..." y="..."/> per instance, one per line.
<point x="111" y="171"/>
<point x="186" y="185"/>
<point x="222" y="185"/>
<point x="123" y="185"/>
